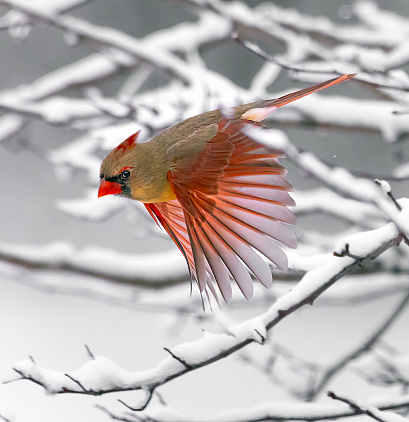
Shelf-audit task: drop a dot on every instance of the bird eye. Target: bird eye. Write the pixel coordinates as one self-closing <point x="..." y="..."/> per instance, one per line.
<point x="125" y="174"/>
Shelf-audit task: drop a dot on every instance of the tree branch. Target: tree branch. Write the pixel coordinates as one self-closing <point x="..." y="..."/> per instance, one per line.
<point x="270" y="412"/>
<point x="209" y="349"/>
<point x="365" y="347"/>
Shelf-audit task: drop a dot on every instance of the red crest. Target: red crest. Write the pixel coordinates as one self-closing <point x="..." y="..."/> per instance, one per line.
<point x="129" y="143"/>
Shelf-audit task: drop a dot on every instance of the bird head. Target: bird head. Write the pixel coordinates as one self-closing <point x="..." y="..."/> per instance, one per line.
<point x="116" y="169"/>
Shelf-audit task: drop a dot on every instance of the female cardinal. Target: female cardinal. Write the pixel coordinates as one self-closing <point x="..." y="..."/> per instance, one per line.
<point x="221" y="196"/>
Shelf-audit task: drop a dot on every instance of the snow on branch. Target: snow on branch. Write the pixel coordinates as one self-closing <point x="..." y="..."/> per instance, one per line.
<point x="108" y="38"/>
<point x="328" y="202"/>
<point x="105" y="264"/>
<point x="339" y="179"/>
<point x="353" y="40"/>
<point x="318" y="111"/>
<point x="157" y="50"/>
<point x="276" y="411"/>
<point x="10" y="125"/>
<point x="324" y="27"/>
<point x="100" y="376"/>
<point x="141" y="270"/>
<point x="182" y="38"/>
<point x="371" y="411"/>
<point x="347" y="113"/>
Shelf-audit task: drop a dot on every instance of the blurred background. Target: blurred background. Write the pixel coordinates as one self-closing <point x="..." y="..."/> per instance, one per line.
<point x="76" y="78"/>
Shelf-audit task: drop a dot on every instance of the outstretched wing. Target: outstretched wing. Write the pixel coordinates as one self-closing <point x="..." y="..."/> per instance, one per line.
<point x="232" y="199"/>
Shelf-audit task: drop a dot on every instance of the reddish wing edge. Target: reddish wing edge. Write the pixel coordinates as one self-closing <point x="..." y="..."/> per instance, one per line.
<point x="166" y="224"/>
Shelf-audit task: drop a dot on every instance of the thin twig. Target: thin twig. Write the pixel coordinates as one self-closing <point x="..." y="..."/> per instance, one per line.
<point x="79" y="383"/>
<point x="90" y="354"/>
<point x="359" y="410"/>
<point x="360" y="350"/>
<point x="182" y="361"/>
<point x="142" y="406"/>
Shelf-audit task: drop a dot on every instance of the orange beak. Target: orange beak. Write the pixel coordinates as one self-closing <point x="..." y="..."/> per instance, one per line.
<point x="108" y="188"/>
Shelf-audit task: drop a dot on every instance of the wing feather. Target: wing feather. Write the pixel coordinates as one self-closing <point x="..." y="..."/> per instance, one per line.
<point x="253" y="236"/>
<point x="244" y="251"/>
<point x="198" y="254"/>
<point x="218" y="268"/>
<point x="226" y="254"/>
<point x="235" y="199"/>
<point x="264" y="208"/>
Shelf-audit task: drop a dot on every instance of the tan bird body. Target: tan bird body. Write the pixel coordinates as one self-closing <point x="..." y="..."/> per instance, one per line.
<point x="221" y="196"/>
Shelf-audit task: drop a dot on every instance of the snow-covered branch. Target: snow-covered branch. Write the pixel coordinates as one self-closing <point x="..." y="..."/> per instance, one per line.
<point x="372" y="411"/>
<point x="101" y="376"/>
<point x="275" y="411"/>
<point x="323" y="200"/>
<point x="339" y="179"/>
<point x="157" y="51"/>
<point x="106" y="264"/>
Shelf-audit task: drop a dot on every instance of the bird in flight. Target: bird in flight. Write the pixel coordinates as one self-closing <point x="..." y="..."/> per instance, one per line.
<point x="220" y="195"/>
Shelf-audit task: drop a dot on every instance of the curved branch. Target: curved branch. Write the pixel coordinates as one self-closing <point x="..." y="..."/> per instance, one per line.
<point x="190" y="356"/>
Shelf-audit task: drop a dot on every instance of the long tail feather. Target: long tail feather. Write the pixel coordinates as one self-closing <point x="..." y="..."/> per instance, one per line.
<point x="257" y="114"/>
